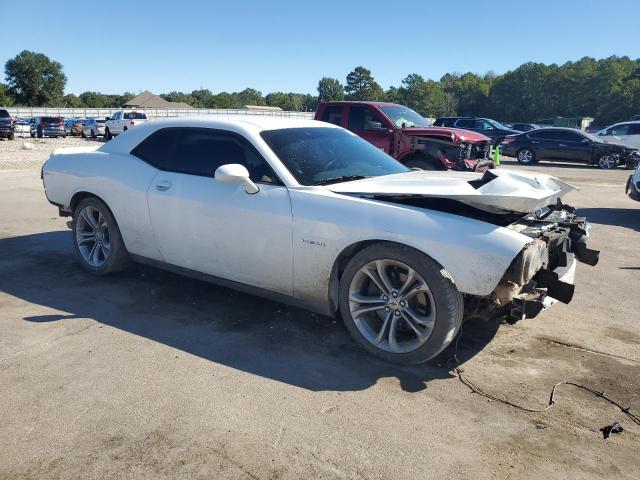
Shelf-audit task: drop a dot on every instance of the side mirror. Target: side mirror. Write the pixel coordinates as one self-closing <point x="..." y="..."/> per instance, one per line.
<point x="374" y="126"/>
<point x="236" y="174"/>
<point x="586" y="140"/>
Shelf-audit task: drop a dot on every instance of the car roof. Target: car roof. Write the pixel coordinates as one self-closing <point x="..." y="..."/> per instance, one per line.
<point x="364" y="102"/>
<point x="243" y="124"/>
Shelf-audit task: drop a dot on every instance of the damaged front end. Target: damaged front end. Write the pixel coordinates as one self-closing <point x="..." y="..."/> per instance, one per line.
<point x="461" y="156"/>
<point x="543" y="272"/>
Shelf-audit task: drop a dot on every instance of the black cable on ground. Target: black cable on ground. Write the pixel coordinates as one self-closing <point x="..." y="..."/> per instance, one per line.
<point x="475" y="389"/>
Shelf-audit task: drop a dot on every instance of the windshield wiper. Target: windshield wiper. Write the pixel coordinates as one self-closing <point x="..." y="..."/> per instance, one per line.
<point x="342" y="178"/>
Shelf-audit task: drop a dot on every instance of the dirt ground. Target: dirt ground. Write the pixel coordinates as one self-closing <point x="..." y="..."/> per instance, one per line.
<point x="149" y="375"/>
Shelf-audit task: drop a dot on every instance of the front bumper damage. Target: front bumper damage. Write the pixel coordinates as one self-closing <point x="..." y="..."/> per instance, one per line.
<point x="543" y="273"/>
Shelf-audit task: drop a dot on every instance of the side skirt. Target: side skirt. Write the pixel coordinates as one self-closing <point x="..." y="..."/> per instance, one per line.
<point x="242" y="287"/>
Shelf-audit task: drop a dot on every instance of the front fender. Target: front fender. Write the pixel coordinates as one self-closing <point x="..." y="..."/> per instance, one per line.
<point x="475" y="253"/>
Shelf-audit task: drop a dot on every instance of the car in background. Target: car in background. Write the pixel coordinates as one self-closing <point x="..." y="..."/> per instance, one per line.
<point x="633" y="184"/>
<point x="310" y="214"/>
<point x="22" y="127"/>
<point x="48" y="127"/>
<point x="558" y="143"/>
<point x="73" y="126"/>
<point x="627" y="132"/>
<point x="634" y="118"/>
<point x="486" y="126"/>
<point x="121" y="121"/>
<point x="408" y="137"/>
<point x="6" y="125"/>
<point x="93" y="127"/>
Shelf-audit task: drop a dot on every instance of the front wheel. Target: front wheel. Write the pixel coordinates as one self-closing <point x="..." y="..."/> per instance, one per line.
<point x="399" y="304"/>
<point x="526" y="156"/>
<point x="96" y="238"/>
<point x="107" y="134"/>
<point x="607" y="161"/>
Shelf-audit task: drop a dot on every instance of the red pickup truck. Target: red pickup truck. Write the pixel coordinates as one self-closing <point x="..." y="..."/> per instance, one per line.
<point x="408" y="137"/>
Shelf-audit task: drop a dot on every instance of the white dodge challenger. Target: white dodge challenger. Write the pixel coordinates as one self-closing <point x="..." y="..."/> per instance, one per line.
<point x="310" y="214"/>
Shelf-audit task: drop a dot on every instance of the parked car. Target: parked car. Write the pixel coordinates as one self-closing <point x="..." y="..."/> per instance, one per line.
<point x="633" y="184"/>
<point x="73" y="126"/>
<point x="591" y="128"/>
<point x="48" y="127"/>
<point x="634" y="118"/>
<point x="491" y="128"/>
<point x="22" y="127"/>
<point x="559" y="143"/>
<point x="93" y="127"/>
<point x="408" y="137"/>
<point x="627" y="132"/>
<point x="122" y="121"/>
<point x="310" y="214"/>
<point x="6" y="125"/>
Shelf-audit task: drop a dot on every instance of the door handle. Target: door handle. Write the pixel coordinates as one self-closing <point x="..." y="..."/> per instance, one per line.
<point x="163" y="185"/>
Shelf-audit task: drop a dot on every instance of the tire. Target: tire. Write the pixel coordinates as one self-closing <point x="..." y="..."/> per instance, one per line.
<point x="93" y="134"/>
<point x="423" y="163"/>
<point x="110" y="255"/>
<point x="11" y="136"/>
<point x="33" y="135"/>
<point x="607" y="161"/>
<point x="125" y="129"/>
<point x="107" y="134"/>
<point x="526" y="156"/>
<point x="82" y="134"/>
<point x="439" y="307"/>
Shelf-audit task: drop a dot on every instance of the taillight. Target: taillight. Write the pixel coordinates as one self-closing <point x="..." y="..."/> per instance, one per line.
<point x="61" y="122"/>
<point x="132" y="123"/>
<point x="506" y="140"/>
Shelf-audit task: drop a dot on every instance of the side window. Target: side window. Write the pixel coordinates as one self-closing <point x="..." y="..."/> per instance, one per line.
<point x="465" y="123"/>
<point x="619" y="130"/>
<point x="634" y="129"/>
<point x="570" y="137"/>
<point x="486" y="125"/>
<point x="200" y="151"/>
<point x="333" y="114"/>
<point x="361" y="117"/>
<point x="155" y="149"/>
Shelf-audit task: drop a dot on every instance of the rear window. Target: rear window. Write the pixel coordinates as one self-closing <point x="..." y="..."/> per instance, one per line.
<point x="51" y="119"/>
<point x="4" y="114"/>
<point x="332" y="114"/>
<point x="135" y="116"/>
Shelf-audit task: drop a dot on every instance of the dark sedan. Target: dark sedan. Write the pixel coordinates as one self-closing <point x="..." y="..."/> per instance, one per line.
<point x="486" y="126"/>
<point x="567" y="144"/>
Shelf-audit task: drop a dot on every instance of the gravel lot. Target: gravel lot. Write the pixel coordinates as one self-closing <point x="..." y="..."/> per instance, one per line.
<point x="17" y="154"/>
<point x="149" y="375"/>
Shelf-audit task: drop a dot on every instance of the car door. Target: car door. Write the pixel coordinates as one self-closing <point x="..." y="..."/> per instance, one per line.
<point x="115" y="125"/>
<point x="573" y="146"/>
<point x="543" y="143"/>
<point x="370" y="125"/>
<point x="218" y="228"/>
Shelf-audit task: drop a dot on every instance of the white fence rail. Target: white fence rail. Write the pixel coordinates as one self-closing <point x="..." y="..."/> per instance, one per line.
<point x="28" y="112"/>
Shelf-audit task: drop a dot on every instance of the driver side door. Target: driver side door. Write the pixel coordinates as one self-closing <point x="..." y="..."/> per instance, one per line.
<point x="370" y="125"/>
<point x="217" y="228"/>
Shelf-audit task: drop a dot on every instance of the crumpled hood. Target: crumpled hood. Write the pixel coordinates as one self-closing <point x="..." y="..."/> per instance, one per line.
<point x="496" y="191"/>
<point x="459" y="134"/>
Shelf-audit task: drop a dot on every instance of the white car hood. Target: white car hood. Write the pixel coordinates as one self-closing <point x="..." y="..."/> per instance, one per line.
<point x="496" y="191"/>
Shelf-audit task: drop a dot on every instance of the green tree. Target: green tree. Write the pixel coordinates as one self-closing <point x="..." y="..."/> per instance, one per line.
<point x="330" y="90"/>
<point x="362" y="86"/>
<point x="34" y="79"/>
<point x="5" y="99"/>
<point x="71" y="100"/>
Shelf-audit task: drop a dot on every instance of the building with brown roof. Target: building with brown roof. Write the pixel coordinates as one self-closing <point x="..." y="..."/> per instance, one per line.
<point x="148" y="100"/>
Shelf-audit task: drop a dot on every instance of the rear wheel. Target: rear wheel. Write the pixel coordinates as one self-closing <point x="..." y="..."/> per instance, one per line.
<point x="96" y="238"/>
<point x="607" y="161"/>
<point x="399" y="304"/>
<point x="526" y="156"/>
<point x="10" y="136"/>
<point x="93" y="134"/>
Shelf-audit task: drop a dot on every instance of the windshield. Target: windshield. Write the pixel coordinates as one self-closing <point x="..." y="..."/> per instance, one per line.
<point x="498" y="125"/>
<point x="403" y="117"/>
<point x="328" y="155"/>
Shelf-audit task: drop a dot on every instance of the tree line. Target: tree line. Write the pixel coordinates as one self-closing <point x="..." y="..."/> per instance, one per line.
<point x="606" y="89"/>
